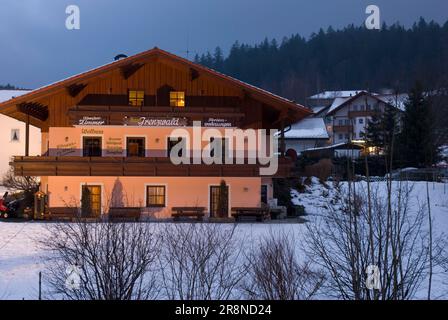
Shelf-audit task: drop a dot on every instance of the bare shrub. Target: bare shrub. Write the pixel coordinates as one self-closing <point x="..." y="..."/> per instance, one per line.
<point x="116" y="261"/>
<point x="275" y="273"/>
<point x="200" y="262"/>
<point x="19" y="183"/>
<point x="368" y="228"/>
<point x="322" y="169"/>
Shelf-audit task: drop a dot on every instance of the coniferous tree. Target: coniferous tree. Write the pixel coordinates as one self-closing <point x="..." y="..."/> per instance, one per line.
<point x="340" y="59"/>
<point x="389" y="127"/>
<point x="373" y="134"/>
<point x="417" y="146"/>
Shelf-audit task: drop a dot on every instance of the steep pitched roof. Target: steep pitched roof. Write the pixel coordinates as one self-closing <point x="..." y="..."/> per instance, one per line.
<point x="256" y="92"/>
<point x="340" y="102"/>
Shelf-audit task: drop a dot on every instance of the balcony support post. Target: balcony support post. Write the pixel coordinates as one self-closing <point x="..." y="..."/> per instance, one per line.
<point x="282" y="138"/>
<point x="27" y="135"/>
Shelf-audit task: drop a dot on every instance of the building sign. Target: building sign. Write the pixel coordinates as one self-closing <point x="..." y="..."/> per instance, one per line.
<point x="155" y="122"/>
<point x="217" y="122"/>
<point x="91" y="121"/>
<point x="114" y="146"/>
<point x="65" y="149"/>
<point x="91" y="131"/>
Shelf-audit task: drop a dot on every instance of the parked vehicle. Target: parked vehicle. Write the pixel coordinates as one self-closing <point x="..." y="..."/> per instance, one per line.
<point x="9" y="209"/>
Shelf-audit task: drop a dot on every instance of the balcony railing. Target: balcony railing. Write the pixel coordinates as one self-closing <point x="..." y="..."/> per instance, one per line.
<point x="343" y="128"/>
<point x="136" y="167"/>
<point x="362" y="113"/>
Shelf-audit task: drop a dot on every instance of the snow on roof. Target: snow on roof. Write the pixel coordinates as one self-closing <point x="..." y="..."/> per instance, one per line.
<point x="308" y="128"/>
<point x="336" y="94"/>
<point x="9" y="94"/>
<point x="396" y="100"/>
<point x="318" y="109"/>
<point x="334" y="146"/>
<point x="337" y="102"/>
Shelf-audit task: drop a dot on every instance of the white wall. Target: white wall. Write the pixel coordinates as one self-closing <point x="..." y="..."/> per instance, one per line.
<point x="341" y="115"/>
<point x="10" y="148"/>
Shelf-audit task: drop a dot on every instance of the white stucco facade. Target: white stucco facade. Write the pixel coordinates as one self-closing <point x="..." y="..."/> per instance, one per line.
<point x="12" y="135"/>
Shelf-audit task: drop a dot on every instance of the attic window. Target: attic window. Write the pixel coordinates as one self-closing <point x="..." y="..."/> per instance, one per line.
<point x="177" y="99"/>
<point x="136" y="98"/>
<point x="15" y="135"/>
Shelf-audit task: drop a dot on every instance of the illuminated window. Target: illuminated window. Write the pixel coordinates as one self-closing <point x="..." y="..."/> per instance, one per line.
<point x="136" y="98"/>
<point x="155" y="196"/>
<point x="177" y="99"/>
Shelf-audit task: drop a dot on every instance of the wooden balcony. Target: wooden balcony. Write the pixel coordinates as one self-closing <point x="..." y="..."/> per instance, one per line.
<point x="343" y="129"/>
<point x="363" y="113"/>
<point x="136" y="167"/>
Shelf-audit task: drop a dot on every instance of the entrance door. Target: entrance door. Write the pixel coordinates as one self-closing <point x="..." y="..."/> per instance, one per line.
<point x="219" y="201"/>
<point x="95" y="199"/>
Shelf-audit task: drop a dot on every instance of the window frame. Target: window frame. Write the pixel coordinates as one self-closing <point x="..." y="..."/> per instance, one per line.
<point x="84" y="137"/>
<point x="136" y="99"/>
<point x="141" y="155"/>
<point x="179" y="97"/>
<point x="147" y="197"/>
<point x="168" y="146"/>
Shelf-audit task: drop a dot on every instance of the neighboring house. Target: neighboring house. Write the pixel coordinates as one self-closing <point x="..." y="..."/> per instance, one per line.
<point x="324" y="99"/>
<point x="308" y="133"/>
<point x="347" y="113"/>
<point x="12" y="135"/>
<point x="348" y="118"/>
<point x="106" y="134"/>
<point x="341" y="117"/>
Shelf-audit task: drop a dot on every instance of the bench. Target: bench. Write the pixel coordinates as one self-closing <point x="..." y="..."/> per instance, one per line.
<point x="187" y="212"/>
<point x="124" y="213"/>
<point x="259" y="214"/>
<point x="62" y="214"/>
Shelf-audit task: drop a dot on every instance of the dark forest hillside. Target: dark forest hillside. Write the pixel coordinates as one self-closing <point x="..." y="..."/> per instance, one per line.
<point x="352" y="58"/>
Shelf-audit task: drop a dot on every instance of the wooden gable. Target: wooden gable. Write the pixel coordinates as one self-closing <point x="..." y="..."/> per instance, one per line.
<point x="149" y="71"/>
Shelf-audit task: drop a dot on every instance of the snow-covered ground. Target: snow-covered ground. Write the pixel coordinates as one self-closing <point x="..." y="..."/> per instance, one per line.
<point x="21" y="257"/>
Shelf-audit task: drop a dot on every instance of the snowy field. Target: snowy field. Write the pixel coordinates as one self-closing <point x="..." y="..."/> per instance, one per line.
<point x="21" y="258"/>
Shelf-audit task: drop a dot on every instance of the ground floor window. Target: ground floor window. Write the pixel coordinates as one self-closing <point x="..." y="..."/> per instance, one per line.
<point x="135" y="147"/>
<point x="155" y="196"/>
<point x="91" y="146"/>
<point x="92" y="197"/>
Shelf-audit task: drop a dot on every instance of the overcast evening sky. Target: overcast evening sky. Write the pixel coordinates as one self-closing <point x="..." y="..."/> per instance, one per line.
<point x="37" y="49"/>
